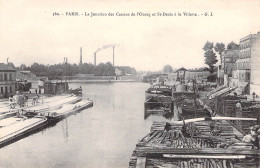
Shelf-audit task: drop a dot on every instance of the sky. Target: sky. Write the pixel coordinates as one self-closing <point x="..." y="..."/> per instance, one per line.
<point x="30" y="33"/>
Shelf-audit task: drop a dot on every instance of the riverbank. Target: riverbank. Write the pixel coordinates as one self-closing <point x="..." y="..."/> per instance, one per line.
<point x="99" y="81"/>
<point x="204" y="141"/>
<point x="35" y="82"/>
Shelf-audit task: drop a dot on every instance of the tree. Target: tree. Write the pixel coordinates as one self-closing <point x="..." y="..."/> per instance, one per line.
<point x="208" y="46"/>
<point x="167" y="69"/>
<point x="126" y="70"/>
<point x="219" y="48"/>
<point x="23" y="67"/>
<point x="232" y="46"/>
<point x="104" y="69"/>
<point x="210" y="56"/>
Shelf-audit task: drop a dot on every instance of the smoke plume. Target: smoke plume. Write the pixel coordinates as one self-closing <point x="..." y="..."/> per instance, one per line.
<point x="106" y="46"/>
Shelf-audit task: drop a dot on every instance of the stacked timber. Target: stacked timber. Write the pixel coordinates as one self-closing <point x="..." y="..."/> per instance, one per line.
<point x="197" y="163"/>
<point x="207" y="144"/>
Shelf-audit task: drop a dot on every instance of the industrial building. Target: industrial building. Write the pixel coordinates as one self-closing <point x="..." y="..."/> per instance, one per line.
<point x="245" y="68"/>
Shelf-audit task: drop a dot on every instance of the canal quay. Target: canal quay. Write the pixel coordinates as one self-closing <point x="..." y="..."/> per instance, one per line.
<point x="208" y="126"/>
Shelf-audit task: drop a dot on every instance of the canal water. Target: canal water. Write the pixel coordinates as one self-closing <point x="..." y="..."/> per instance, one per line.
<point x="104" y="135"/>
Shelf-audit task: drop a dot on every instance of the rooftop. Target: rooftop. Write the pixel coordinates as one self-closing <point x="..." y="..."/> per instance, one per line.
<point x="181" y="69"/>
<point x="4" y="68"/>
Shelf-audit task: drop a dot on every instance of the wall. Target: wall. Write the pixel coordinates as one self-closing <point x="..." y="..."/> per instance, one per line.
<point x="255" y="65"/>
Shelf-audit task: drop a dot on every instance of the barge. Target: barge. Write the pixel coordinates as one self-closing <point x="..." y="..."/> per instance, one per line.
<point x="52" y="105"/>
<point x="158" y="90"/>
<point x="158" y="100"/>
<point x="67" y="109"/>
<point x="19" y="129"/>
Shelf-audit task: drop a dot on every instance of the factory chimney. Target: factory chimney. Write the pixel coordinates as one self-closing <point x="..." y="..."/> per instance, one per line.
<point x="113" y="55"/>
<point x="80" y="61"/>
<point x="95" y="58"/>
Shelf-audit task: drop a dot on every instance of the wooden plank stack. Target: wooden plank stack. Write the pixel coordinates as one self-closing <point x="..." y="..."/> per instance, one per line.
<point x="205" y="138"/>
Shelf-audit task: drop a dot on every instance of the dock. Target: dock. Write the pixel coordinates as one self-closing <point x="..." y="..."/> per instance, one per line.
<point x="20" y="122"/>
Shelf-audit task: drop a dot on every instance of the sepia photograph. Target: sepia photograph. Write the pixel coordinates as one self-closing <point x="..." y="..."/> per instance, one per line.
<point x="129" y="84"/>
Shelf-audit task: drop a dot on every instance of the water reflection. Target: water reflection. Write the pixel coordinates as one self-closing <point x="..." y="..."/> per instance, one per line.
<point x="104" y="135"/>
<point x="65" y="129"/>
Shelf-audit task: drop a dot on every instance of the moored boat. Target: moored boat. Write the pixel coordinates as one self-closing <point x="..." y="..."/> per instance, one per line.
<point x="158" y="90"/>
<point x="11" y="120"/>
<point x="67" y="110"/>
<point x="34" y="110"/>
<point x="19" y="129"/>
<point x="77" y="91"/>
<point x="6" y="111"/>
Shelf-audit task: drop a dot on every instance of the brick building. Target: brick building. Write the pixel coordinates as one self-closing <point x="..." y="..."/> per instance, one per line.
<point x="7" y="80"/>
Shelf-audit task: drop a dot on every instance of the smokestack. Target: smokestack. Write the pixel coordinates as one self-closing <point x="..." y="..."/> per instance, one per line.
<point x="113" y="55"/>
<point x="95" y="58"/>
<point x="80" y="62"/>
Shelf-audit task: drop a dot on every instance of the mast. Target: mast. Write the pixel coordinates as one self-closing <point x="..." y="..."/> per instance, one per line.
<point x="66" y="60"/>
<point x="194" y="98"/>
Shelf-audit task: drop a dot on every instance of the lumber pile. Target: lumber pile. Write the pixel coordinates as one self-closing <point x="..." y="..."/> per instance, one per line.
<point x="200" y="144"/>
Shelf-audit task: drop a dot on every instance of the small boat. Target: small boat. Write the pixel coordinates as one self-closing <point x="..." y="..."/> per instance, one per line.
<point x="68" y="109"/>
<point x="77" y="91"/>
<point x="19" y="129"/>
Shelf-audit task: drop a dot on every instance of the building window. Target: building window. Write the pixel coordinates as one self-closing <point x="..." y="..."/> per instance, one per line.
<point x="5" y="77"/>
<point x="2" y="90"/>
<point x="247" y="78"/>
<point x="1" y="76"/>
<point x="10" y="77"/>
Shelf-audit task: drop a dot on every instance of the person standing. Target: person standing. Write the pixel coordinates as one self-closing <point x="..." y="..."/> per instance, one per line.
<point x="252" y="137"/>
<point x="11" y="101"/>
